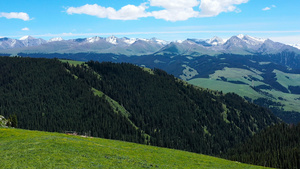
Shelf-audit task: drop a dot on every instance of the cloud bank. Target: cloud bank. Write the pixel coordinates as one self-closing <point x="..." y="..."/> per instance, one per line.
<point x="128" y="12"/>
<point x="15" y="15"/>
<point x="172" y="10"/>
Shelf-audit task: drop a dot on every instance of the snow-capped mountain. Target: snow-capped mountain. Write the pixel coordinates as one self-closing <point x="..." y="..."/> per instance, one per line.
<point x="26" y="41"/>
<point x="251" y="40"/>
<point x="112" y="40"/>
<point x="7" y="43"/>
<point x="31" y="41"/>
<point x="240" y="44"/>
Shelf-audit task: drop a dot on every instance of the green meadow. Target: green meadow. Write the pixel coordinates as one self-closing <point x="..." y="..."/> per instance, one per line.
<point x="72" y="62"/>
<point x="35" y="149"/>
<point x="214" y="82"/>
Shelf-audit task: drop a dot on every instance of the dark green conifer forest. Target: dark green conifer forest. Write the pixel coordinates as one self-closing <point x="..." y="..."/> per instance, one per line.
<point x="178" y="115"/>
<point x="44" y="96"/>
<point x="277" y="146"/>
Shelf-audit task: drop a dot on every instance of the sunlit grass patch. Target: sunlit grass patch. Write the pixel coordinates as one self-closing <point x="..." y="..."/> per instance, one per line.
<point x="34" y="149"/>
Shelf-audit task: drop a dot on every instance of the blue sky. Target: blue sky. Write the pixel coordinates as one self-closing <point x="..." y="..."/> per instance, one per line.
<point x="278" y="20"/>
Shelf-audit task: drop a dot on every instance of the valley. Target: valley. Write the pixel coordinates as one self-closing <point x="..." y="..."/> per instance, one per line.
<point x="189" y="95"/>
<point x="150" y="84"/>
<point x="149" y="106"/>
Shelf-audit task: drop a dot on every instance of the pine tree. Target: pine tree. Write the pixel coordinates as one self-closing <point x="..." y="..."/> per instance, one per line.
<point x="14" y="121"/>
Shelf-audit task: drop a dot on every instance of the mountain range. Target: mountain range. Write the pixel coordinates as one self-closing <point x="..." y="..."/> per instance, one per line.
<point x="240" y="44"/>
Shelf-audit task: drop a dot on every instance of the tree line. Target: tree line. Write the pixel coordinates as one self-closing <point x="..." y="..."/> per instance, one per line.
<point x="277" y="146"/>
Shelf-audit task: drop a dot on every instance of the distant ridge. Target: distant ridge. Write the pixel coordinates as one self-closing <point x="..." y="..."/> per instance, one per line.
<point x="240" y="44"/>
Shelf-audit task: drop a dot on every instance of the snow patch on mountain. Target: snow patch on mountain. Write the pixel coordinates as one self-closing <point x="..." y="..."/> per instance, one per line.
<point x="251" y="40"/>
<point x="179" y="41"/>
<point x="295" y="46"/>
<point x="112" y="40"/>
<point x="27" y="38"/>
<point x="129" y="41"/>
<point x="159" y="41"/>
<point x="57" y="39"/>
<point x="215" y="41"/>
<point x="162" y="42"/>
<point x="93" y="39"/>
<point x="241" y="36"/>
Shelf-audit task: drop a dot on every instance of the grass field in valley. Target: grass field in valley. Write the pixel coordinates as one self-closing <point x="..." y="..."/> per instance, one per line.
<point x="35" y="149"/>
<point x="214" y="82"/>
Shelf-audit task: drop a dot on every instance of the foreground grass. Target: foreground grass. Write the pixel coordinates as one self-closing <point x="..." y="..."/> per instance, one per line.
<point x="34" y="149"/>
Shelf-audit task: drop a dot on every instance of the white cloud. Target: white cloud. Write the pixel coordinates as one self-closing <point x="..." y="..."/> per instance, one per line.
<point x="266" y="8"/>
<point x="173" y="10"/>
<point x="25" y="29"/>
<point x="175" y="15"/>
<point x="15" y="15"/>
<point x="211" y="8"/>
<point x="128" y="12"/>
<point x="173" y="4"/>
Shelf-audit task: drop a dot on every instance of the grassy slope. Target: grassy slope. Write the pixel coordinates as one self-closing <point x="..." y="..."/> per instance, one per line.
<point x="290" y="100"/>
<point x="34" y="149"/>
<point x="72" y="62"/>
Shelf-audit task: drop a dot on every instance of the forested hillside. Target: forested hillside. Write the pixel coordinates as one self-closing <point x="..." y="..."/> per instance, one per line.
<point x="175" y="114"/>
<point x="44" y="96"/>
<point x="271" y="80"/>
<point x="125" y="102"/>
<point x="277" y="146"/>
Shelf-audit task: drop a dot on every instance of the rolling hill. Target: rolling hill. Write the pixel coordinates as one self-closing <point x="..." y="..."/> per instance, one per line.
<point x="34" y="149"/>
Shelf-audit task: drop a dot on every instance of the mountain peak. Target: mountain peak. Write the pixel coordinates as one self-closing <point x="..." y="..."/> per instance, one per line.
<point x="215" y="41"/>
<point x="241" y="36"/>
<point x="250" y="40"/>
<point x="112" y="39"/>
<point x="26" y="37"/>
<point x="93" y="39"/>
